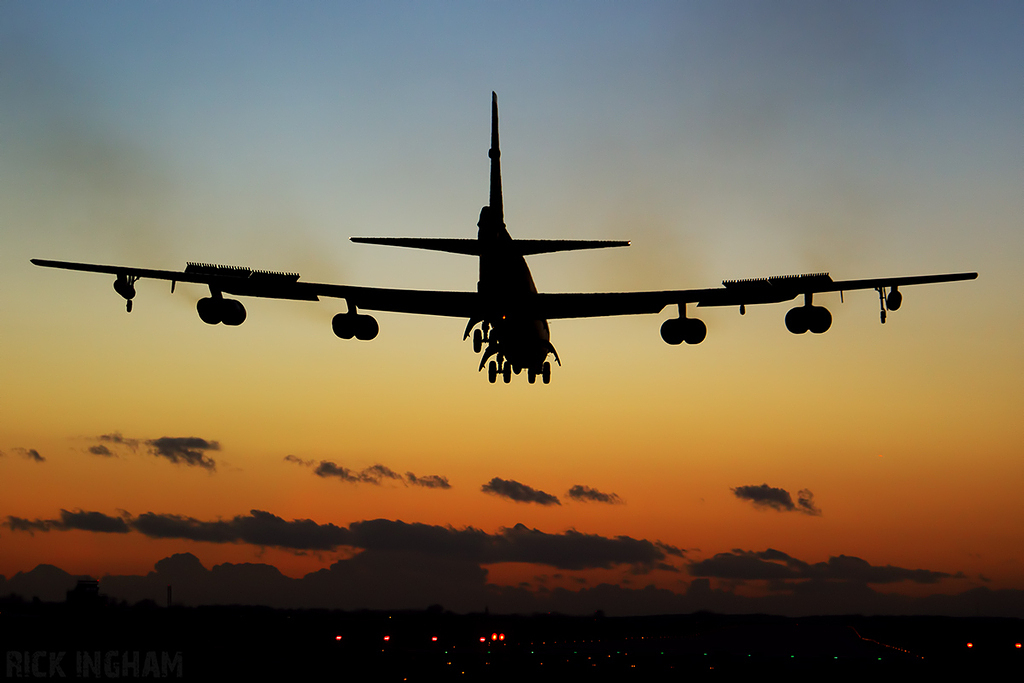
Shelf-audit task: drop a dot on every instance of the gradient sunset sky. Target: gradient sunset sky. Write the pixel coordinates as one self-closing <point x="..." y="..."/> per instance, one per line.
<point x="724" y="139"/>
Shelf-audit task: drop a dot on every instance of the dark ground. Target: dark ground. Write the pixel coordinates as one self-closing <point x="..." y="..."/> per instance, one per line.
<point x="99" y="639"/>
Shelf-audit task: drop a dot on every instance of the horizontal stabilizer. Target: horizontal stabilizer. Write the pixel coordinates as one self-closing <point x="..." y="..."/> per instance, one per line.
<point x="473" y="247"/>
<point x="454" y="246"/>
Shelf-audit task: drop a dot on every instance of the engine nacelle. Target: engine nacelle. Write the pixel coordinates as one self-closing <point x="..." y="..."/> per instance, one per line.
<point x="348" y="325"/>
<point x="816" y="319"/>
<point x="232" y="312"/>
<point x="209" y="310"/>
<point x="675" y="331"/>
<point x="672" y="331"/>
<point x="213" y="310"/>
<point x="366" y="327"/>
<point x="124" y="288"/>
<point x="893" y="300"/>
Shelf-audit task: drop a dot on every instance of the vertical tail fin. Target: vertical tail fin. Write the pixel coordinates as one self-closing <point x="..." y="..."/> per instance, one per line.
<point x="492" y="216"/>
<point x="494" y="153"/>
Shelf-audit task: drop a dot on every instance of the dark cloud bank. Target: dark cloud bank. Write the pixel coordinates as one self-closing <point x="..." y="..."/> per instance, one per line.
<point x="411" y="565"/>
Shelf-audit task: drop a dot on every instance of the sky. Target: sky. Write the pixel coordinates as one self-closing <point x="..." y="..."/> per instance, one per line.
<point x="874" y="468"/>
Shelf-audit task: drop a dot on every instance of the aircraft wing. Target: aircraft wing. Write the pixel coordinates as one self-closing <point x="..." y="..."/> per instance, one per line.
<point x="731" y="293"/>
<point x="273" y="285"/>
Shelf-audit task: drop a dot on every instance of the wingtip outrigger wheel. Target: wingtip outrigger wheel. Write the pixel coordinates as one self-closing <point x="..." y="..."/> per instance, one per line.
<point x="125" y="286"/>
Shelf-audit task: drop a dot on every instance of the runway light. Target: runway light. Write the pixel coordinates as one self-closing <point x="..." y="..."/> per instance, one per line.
<point x="337" y="637"/>
<point x="501" y="636"/>
<point x="970" y="645"/>
<point x="1017" y="645"/>
<point x="482" y="639"/>
<point x="387" y="637"/>
<point x="433" y="639"/>
<point x="494" y="636"/>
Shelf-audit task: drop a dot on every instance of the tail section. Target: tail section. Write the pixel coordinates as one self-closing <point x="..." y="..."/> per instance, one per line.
<point x="492" y="237"/>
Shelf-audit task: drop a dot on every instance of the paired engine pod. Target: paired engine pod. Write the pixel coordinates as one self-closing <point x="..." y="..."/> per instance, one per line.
<point x="348" y="325"/>
<point x="816" y="319"/>
<point x="213" y="311"/>
<point x="675" y="331"/>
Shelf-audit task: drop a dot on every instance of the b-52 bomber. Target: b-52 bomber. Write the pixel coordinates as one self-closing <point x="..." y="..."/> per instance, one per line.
<point x="507" y="317"/>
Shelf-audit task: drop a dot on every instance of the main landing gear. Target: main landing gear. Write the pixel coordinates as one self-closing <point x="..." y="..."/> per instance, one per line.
<point x="506" y="370"/>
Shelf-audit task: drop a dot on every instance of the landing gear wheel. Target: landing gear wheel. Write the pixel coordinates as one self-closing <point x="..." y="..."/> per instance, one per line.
<point x="128" y="305"/>
<point x="492" y="372"/>
<point x="506" y="373"/>
<point x="545" y="372"/>
<point x="531" y="375"/>
<point x="478" y="341"/>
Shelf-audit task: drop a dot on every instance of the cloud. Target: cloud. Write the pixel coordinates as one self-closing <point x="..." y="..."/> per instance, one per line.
<point x="184" y="449"/>
<point x="29" y="525"/>
<point x="299" y="461"/>
<point x="79" y="519"/>
<point x="257" y="528"/>
<point x="765" y="496"/>
<point x="774" y="565"/>
<point x="570" y="550"/>
<point x="31" y="454"/>
<point x="585" y="494"/>
<point x="374" y="474"/>
<point x="805" y="502"/>
<point x="100" y="449"/>
<point x="521" y="493"/>
<point x="432" y="481"/>
<point x="93" y="521"/>
<point x="119" y="440"/>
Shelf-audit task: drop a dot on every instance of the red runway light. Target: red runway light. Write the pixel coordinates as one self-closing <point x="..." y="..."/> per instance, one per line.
<point x="387" y="637"/>
<point x="433" y="639"/>
<point x="482" y="639"/>
<point x="337" y="637"/>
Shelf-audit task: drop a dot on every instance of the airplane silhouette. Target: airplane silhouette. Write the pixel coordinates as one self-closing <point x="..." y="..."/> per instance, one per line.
<point x="513" y="333"/>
